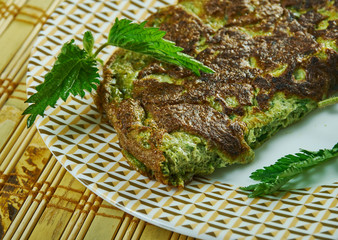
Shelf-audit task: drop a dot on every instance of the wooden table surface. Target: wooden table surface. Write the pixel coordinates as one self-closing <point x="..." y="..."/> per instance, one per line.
<point x="39" y="199"/>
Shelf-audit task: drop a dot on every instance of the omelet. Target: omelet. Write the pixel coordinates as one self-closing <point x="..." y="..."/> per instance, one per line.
<point x="274" y="60"/>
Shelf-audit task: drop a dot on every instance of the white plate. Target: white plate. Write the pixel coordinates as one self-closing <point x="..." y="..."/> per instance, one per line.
<point x="207" y="208"/>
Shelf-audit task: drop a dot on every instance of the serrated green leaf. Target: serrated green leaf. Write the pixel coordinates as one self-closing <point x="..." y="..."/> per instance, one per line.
<point x="73" y="72"/>
<point x="75" y="69"/>
<point x="273" y="177"/>
<point x="88" y="42"/>
<point x="149" y="41"/>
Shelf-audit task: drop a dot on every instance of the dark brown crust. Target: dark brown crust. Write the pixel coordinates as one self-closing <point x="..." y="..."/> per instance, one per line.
<point x="204" y="121"/>
<point x="304" y="4"/>
<point x="240" y="12"/>
<point x="284" y="41"/>
<point x="291" y="40"/>
<point x="127" y="120"/>
<point x="188" y="29"/>
<point x="129" y="125"/>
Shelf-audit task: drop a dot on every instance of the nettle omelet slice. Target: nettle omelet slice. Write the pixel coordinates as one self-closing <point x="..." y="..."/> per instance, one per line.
<point x="273" y="61"/>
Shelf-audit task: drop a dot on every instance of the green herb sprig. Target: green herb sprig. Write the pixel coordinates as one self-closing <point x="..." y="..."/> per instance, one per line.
<point x="273" y="177"/>
<point x="75" y="69"/>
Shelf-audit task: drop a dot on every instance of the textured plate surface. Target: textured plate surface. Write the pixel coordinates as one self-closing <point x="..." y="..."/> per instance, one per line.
<point x="210" y="207"/>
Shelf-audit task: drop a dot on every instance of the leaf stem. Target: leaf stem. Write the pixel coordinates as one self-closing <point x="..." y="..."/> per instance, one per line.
<point x="100" y="49"/>
<point x="328" y="102"/>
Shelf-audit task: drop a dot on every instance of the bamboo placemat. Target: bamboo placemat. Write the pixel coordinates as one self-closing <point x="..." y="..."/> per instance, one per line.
<point x="39" y="199"/>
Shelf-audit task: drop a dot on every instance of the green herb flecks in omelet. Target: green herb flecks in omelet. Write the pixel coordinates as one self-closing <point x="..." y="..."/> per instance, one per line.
<point x="273" y="63"/>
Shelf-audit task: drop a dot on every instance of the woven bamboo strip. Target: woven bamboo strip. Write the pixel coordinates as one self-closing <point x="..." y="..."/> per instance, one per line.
<point x="15" y="63"/>
<point x="152" y="232"/>
<point x="28" y="33"/>
<point x="12" y="9"/>
<point x="18" y="223"/>
<point x="107" y="217"/>
<point x="10" y="42"/>
<point x="19" y="96"/>
<point x="59" y="209"/>
<point x="14" y="77"/>
<point x="14" y="142"/>
<point x="18" y="61"/>
<point x="19" y="181"/>
<point x="5" y="92"/>
<point x="10" y="150"/>
<point x="17" y="67"/>
<point x="131" y="229"/>
<point x="39" y="205"/>
<point x="182" y="237"/>
<point x="139" y="229"/>
<point x="11" y="127"/>
<point x="42" y="197"/>
<point x="11" y="159"/>
<point x="124" y="226"/>
<point x="81" y="234"/>
<point x="175" y="236"/>
<point x="82" y="217"/>
<point x="76" y="214"/>
<point x="4" y="15"/>
<point x="21" y="56"/>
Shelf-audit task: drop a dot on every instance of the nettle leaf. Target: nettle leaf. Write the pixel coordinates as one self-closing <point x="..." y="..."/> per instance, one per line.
<point x="88" y="42"/>
<point x="75" y="69"/>
<point x="273" y="177"/>
<point x="73" y="72"/>
<point x="135" y="37"/>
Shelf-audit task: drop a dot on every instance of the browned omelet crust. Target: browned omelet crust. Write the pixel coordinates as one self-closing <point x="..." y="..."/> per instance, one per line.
<point x="279" y="39"/>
